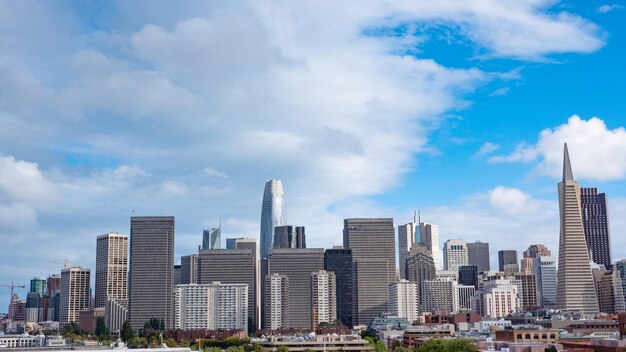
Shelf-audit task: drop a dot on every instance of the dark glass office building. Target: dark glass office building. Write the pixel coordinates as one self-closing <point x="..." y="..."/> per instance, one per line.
<point x="339" y="261"/>
<point x="596" y="225"/>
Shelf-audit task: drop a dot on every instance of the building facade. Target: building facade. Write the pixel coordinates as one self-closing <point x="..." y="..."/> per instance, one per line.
<point x="151" y="288"/>
<point x="212" y="238"/>
<point x="276" y="310"/>
<point x="544" y="269"/>
<point x="297" y="264"/>
<point x="594" y="207"/>
<point x="189" y="269"/>
<point x="111" y="269"/>
<point x="420" y="266"/>
<point x="468" y="275"/>
<point x="339" y="261"/>
<point x="372" y="241"/>
<point x="75" y="293"/>
<point x="429" y="234"/>
<point x="496" y="299"/>
<point x="211" y="306"/>
<point x="507" y="257"/>
<point x="406" y="239"/>
<point x="478" y="254"/>
<point x="454" y="254"/>
<point x="575" y="285"/>
<point x="403" y="300"/>
<point x="273" y="213"/>
<point x="289" y="236"/>
<point x="323" y="297"/>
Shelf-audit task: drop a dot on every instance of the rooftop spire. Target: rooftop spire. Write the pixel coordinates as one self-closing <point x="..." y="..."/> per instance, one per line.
<point x="567" y="167"/>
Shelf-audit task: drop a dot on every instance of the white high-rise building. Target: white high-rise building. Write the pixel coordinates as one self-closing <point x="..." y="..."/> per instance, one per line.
<point x="403" y="300"/>
<point x="438" y="294"/>
<point x="273" y="213"/>
<point x="111" y="269"/>
<point x="575" y="284"/>
<point x="324" y="296"/>
<point x="497" y="298"/>
<point x="74" y="293"/>
<point x="211" y="306"/>
<point x="406" y="239"/>
<point x="276" y="302"/>
<point x="454" y="254"/>
<point x="544" y="269"/>
<point x="429" y="234"/>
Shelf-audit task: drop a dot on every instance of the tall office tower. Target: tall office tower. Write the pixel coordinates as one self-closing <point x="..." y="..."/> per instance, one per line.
<point x="214" y="306"/>
<point x="468" y="275"/>
<point x="39" y="285"/>
<point x="115" y="314"/>
<point x="595" y="213"/>
<point x="463" y="296"/>
<point x="54" y="284"/>
<point x="339" y="261"/>
<point x="496" y="299"/>
<point x="252" y="244"/>
<point x="454" y="254"/>
<point x="276" y="310"/>
<point x="529" y="290"/>
<point x="533" y="251"/>
<point x="507" y="257"/>
<point x="297" y="264"/>
<point x="575" y="285"/>
<point x="212" y="238"/>
<point x="188" y="269"/>
<point x="478" y="254"/>
<point x="372" y="242"/>
<point x="289" y="236"/>
<point x="230" y="266"/>
<point x="438" y="294"/>
<point x="111" y="269"/>
<point x="33" y="304"/>
<point x="420" y="266"/>
<point x="273" y="213"/>
<point x="74" y="293"/>
<point x="403" y="300"/>
<point x="151" y="279"/>
<point x="406" y="238"/>
<point x="323" y="297"/>
<point x="605" y="290"/>
<point x="429" y="234"/>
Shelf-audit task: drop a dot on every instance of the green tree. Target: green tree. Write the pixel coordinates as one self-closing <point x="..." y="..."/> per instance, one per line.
<point x="101" y="329"/>
<point x="235" y="349"/>
<point x="72" y="328"/>
<point x="282" y="348"/>
<point x="138" y="342"/>
<point x="551" y="349"/>
<point x="127" y="331"/>
<point x="451" y="345"/>
<point x="214" y="349"/>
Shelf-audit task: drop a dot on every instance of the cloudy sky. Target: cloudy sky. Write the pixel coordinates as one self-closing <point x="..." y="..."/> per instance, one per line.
<point x="365" y="108"/>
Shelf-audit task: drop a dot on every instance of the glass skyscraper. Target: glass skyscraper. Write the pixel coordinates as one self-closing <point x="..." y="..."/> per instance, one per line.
<point x="272" y="214"/>
<point x="211" y="238"/>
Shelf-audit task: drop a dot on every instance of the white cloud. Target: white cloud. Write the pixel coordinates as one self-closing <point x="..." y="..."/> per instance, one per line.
<point x="486" y="149"/>
<point x="513" y="201"/>
<point x="596" y="151"/>
<point x="608" y="8"/>
<point x="499" y="92"/>
<point x="23" y="181"/>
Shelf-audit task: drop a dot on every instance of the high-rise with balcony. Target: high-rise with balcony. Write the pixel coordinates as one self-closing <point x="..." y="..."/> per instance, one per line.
<point x="323" y="297"/>
<point x="575" y="284"/>
<point x="454" y="254"/>
<point x="151" y="288"/>
<point x="211" y="306"/>
<point x="594" y="207"/>
<point x="276" y="310"/>
<point x="273" y="214"/>
<point x="372" y="241"/>
<point x="403" y="299"/>
<point x="111" y="269"/>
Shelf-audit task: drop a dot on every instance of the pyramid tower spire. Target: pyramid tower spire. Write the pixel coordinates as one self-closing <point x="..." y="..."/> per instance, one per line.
<point x="567" y="166"/>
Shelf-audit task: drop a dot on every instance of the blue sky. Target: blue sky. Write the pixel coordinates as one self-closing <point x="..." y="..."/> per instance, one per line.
<point x="370" y="109"/>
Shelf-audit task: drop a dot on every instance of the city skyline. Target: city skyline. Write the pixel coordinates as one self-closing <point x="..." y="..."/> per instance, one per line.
<point x="376" y="118"/>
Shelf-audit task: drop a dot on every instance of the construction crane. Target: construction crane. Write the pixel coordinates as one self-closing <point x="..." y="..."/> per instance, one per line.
<point x="12" y="286"/>
<point x="66" y="263"/>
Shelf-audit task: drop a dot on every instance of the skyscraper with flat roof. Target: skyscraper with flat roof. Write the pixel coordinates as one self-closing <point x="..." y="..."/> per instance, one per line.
<point x="372" y="241"/>
<point x="273" y="214"/>
<point x="507" y="257"/>
<point x="111" y="269"/>
<point x="289" y="236"/>
<point x="297" y="264"/>
<point x="478" y="254"/>
<point x="339" y="261"/>
<point x="454" y="254"/>
<point x="406" y="239"/>
<point x="188" y="269"/>
<point x="575" y="285"/>
<point x="151" y="289"/>
<point x="74" y="293"/>
<point x="230" y="266"/>
<point x="594" y="207"/>
<point x="429" y="234"/>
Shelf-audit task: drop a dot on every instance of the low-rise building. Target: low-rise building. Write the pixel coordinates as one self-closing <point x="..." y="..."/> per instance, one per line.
<point x="528" y="334"/>
<point x="414" y="335"/>
<point x="315" y="343"/>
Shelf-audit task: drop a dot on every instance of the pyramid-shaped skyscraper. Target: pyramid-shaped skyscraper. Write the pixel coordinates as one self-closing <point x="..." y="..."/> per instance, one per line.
<point x="575" y="285"/>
